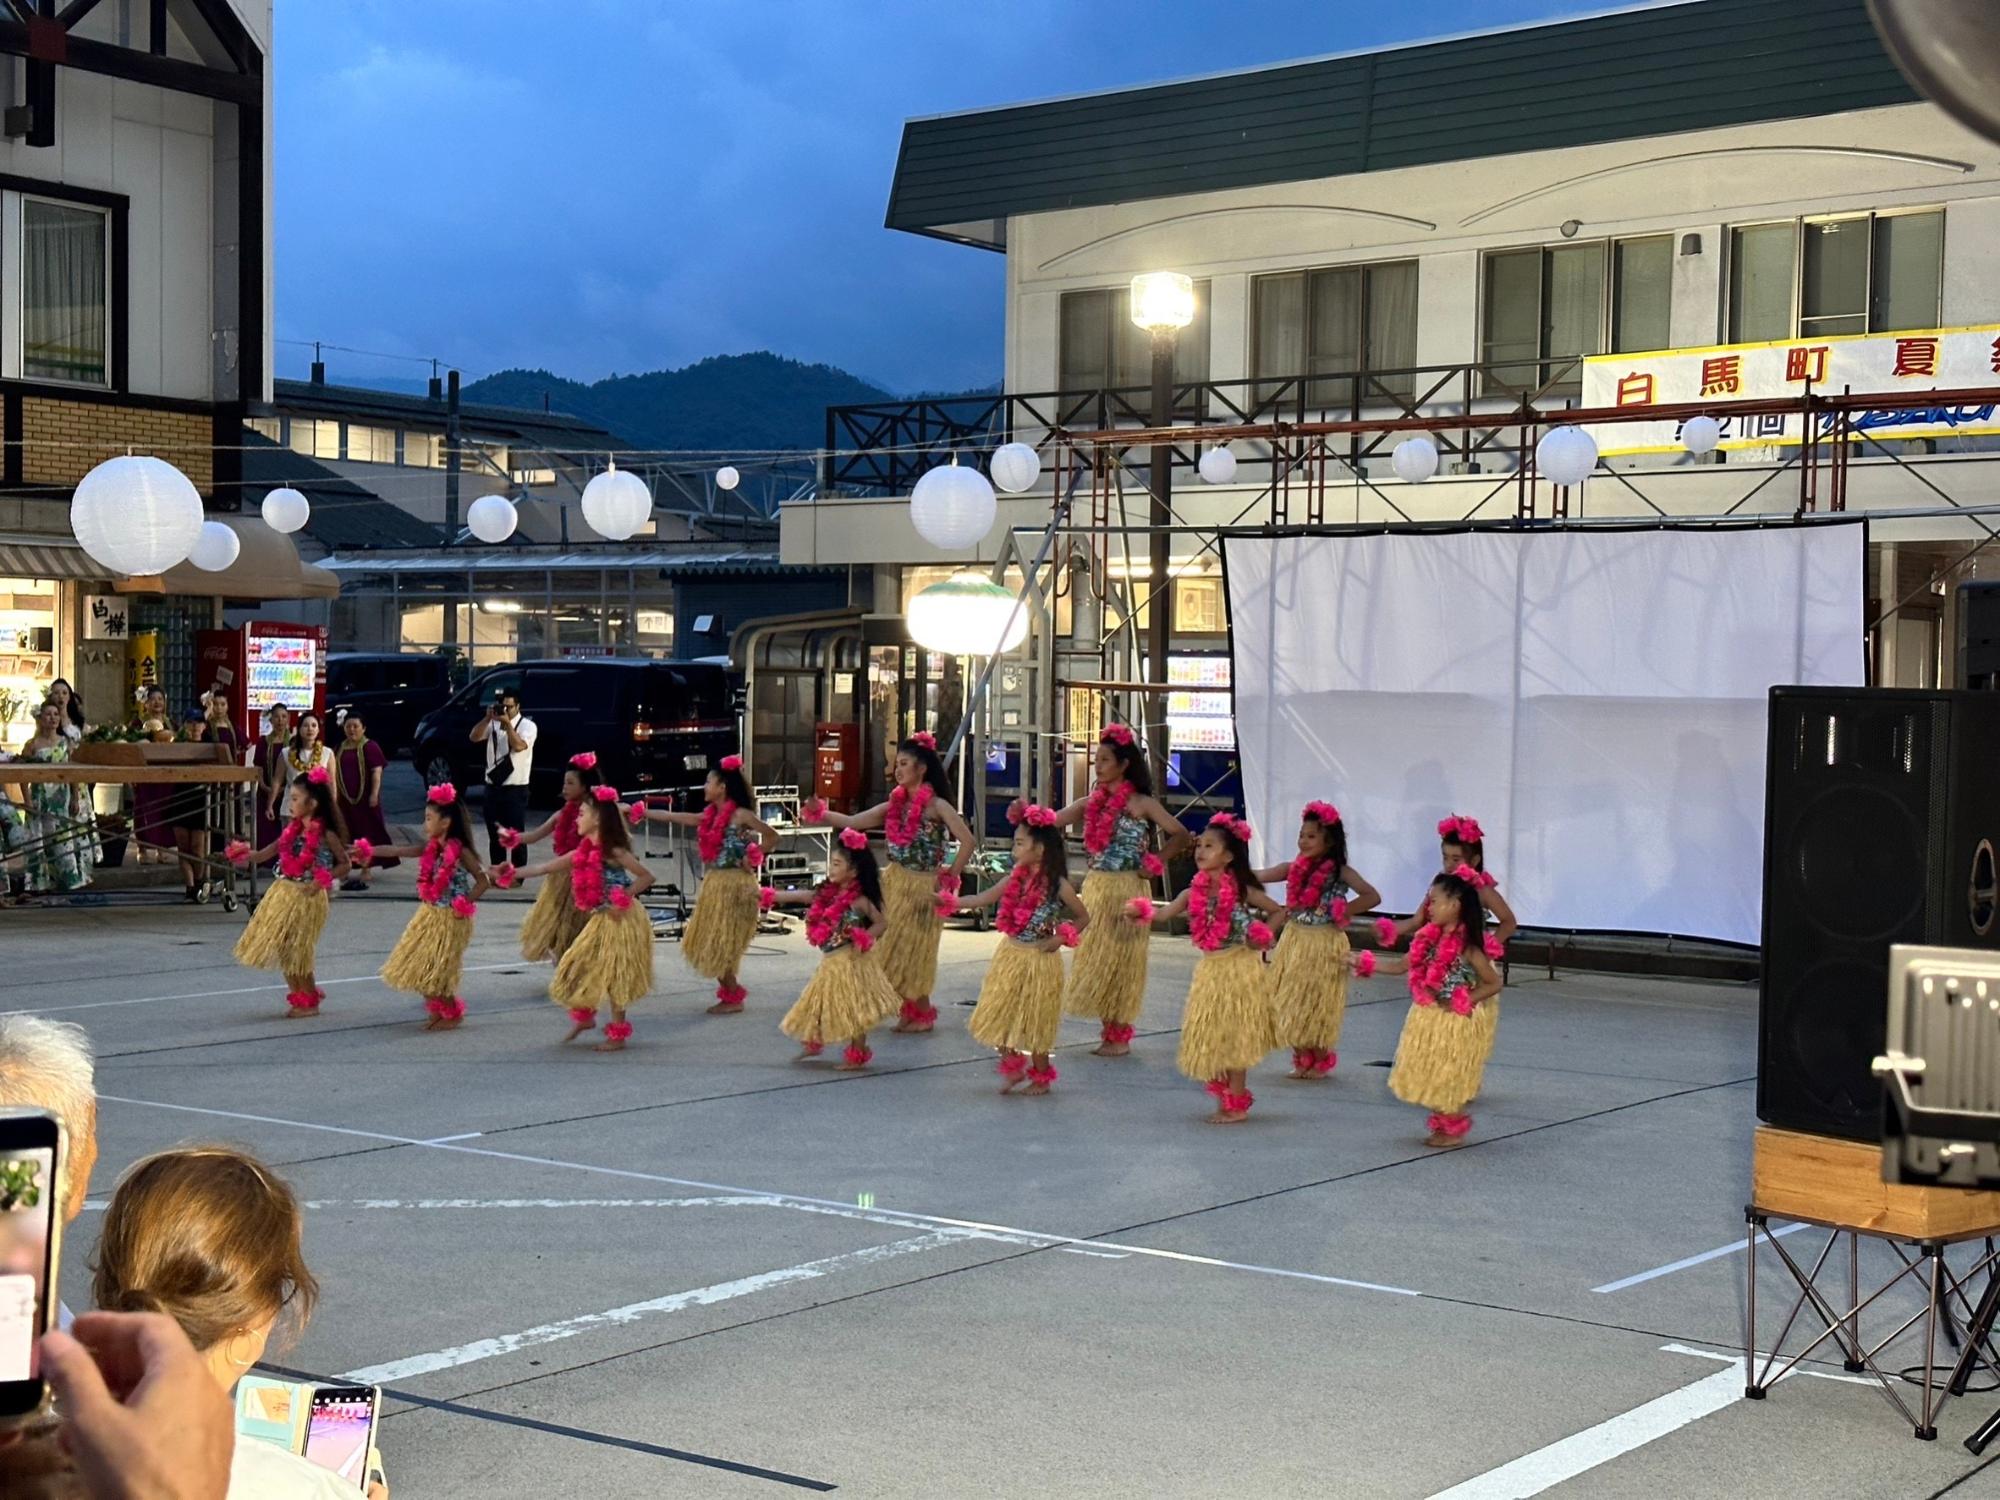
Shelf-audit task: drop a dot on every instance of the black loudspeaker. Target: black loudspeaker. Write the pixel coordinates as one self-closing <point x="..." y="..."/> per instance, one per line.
<point x="1881" y="817"/>
<point x="1979" y="635"/>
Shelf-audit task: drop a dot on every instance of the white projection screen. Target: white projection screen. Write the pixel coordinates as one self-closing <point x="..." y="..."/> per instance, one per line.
<point x="1595" y="698"/>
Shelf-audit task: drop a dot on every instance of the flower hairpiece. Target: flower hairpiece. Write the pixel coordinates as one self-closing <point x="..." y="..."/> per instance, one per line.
<point x="924" y="738"/>
<point x="1230" y="823"/>
<point x="443" y="794"/>
<point x="853" y="838"/>
<point x="1117" y="734"/>
<point x="1039" y="817"/>
<point x="605" y="793"/>
<point x="1461" y="829"/>
<point x="1469" y="875"/>
<point x="1324" y="813"/>
<point x="318" y="776"/>
<point x="732" y="762"/>
<point x="584" y="760"/>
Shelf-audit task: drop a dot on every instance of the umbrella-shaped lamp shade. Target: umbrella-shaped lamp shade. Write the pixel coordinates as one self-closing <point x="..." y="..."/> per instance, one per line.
<point x="136" y="515"/>
<point x="968" y="615"/>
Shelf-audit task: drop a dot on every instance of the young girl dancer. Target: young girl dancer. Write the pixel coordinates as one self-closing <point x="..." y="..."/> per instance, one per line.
<point x="1108" y="980"/>
<point x="1020" y="1003"/>
<point x="1321" y="892"/>
<point x="849" y="993"/>
<point x="915" y="821"/>
<point x="429" y="958"/>
<point x="1229" y="1024"/>
<point x="611" y="961"/>
<point x="1455" y="1009"/>
<point x="285" y="929"/>
<point x="553" y="922"/>
<point x="1461" y="841"/>
<point x="732" y="841"/>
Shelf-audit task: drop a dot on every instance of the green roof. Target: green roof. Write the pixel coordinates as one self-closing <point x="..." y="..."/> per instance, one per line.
<point x="1652" y="71"/>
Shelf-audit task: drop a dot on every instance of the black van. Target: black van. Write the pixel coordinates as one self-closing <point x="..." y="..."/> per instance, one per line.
<point x="655" y="725"/>
<point x="390" y="690"/>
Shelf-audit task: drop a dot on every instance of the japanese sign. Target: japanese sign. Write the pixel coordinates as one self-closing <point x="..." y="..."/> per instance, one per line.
<point x="1925" y="360"/>
<point x="142" y="661"/>
<point x="107" y="617"/>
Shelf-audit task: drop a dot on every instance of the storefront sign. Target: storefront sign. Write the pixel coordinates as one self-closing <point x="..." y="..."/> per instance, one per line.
<point x="142" y="662"/>
<point x="1931" y="360"/>
<point x="107" y="617"/>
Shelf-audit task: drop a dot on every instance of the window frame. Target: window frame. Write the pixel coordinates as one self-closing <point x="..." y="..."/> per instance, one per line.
<point x="1365" y="270"/>
<point x="1118" y="324"/>
<point x="1798" y="224"/>
<point x="116" y="207"/>
<point x="1607" y="309"/>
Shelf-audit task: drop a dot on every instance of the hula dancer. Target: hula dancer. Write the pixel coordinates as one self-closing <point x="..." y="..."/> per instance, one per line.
<point x="429" y="958"/>
<point x="915" y="822"/>
<point x="285" y="930"/>
<point x="611" y="961"/>
<point x="732" y="841"/>
<point x="1108" y="980"/>
<point x="1321" y="892"/>
<point x="1229" y="1024"/>
<point x="1461" y="841"/>
<point x="554" y="921"/>
<point x="849" y="994"/>
<point x="1455" y="1009"/>
<point x="1020" y="1003"/>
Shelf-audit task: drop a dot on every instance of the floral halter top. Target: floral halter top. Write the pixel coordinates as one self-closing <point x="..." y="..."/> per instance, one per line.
<point x="1042" y="925"/>
<point x="925" y="850"/>
<point x="1127" y="847"/>
<point x="1239" y="925"/>
<point x="1322" y="914"/>
<point x="842" y="930"/>
<point x="322" y="860"/>
<point x="616" y="878"/>
<point x="460" y="884"/>
<point x="736" y="841"/>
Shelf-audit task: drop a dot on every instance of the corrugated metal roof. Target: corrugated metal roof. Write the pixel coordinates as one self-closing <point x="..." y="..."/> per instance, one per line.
<point x="1653" y="71"/>
<point x="482" y="558"/>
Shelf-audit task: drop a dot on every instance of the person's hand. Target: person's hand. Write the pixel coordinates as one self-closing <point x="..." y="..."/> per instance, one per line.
<point x="142" y="1416"/>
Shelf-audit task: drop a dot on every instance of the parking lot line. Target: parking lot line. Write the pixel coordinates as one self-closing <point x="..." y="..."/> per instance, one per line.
<point x="1733" y="1248"/>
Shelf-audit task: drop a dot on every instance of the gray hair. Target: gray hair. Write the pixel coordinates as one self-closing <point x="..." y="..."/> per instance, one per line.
<point x="46" y="1064"/>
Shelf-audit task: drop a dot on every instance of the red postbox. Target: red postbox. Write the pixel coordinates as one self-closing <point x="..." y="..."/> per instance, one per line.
<point x="837" y="765"/>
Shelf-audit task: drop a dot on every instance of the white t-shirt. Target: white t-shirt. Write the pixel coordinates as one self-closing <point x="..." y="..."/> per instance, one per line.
<point x="497" y="745"/>
<point x="264" y="1471"/>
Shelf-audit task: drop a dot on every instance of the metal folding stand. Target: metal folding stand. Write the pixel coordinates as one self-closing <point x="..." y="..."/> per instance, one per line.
<point x="1839" y="1312"/>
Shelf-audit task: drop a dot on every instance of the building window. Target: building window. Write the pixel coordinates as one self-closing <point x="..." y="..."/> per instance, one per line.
<point x="65" y="293"/>
<point x="1342" y="321"/>
<point x="371" y="445"/>
<point x="265" y="427"/>
<point x="1100" y="349"/>
<point x="315" y="437"/>
<point x="1198" y="605"/>
<point x="1849" y="274"/>
<point x="1545" y="309"/>
<point x="423" y="450"/>
<point x="534" y="478"/>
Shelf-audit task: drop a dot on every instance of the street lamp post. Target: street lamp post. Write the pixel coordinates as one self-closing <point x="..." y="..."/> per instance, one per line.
<point x="1162" y="304"/>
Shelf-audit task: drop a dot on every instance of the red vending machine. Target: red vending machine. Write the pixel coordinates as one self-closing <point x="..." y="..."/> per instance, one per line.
<point x="264" y="663"/>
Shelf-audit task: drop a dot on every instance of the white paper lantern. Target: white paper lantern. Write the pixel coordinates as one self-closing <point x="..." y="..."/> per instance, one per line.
<point x="1566" y="455"/>
<point x="285" y="509"/>
<point x="1218" y="465"/>
<point x="616" y="504"/>
<point x="1414" y="460"/>
<point x="139" y="516"/>
<point x="968" y="615"/>
<point x="953" y="507"/>
<point x="1016" y="467"/>
<point x="491" y="518"/>
<point x="1701" y="434"/>
<point x="726" y="478"/>
<point x="216" y="547"/>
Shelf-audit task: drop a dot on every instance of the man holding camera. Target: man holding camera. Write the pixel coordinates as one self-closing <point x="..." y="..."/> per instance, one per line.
<point x="509" y="736"/>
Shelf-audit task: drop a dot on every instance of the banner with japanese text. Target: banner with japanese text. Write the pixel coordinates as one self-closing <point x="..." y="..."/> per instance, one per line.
<point x="1945" y="359"/>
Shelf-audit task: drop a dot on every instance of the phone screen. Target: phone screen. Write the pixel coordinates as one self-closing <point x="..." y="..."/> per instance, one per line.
<point x="27" y="1235"/>
<point x="339" y="1431"/>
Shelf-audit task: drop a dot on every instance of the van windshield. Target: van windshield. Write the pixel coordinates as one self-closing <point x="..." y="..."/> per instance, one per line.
<point x="669" y="695"/>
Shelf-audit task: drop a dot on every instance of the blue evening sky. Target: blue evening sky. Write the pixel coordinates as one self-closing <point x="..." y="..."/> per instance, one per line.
<point x="600" y="186"/>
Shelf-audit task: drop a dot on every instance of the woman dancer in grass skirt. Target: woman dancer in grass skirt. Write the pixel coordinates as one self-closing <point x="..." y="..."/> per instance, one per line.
<point x="732" y="841"/>
<point x="429" y="959"/>
<point x="1108" y="980"/>
<point x="285" y="929"/>
<point x="1321" y="892"/>
<point x="611" y="961"/>
<point x="915" y="822"/>
<point x="1455" y="1010"/>
<point x="849" y="994"/>
<point x="1229" y="1025"/>
<point x="1020" y="1003"/>
<point x="553" y="922"/>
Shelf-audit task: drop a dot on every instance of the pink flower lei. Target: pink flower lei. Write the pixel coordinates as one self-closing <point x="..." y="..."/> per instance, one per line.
<point x="1432" y="956"/>
<point x="829" y="908"/>
<point x="1305" y="882"/>
<point x="715" y="821"/>
<point x="435" y="867"/>
<point x="1101" y="814"/>
<point x="297" y="846"/>
<point x="565" y="837"/>
<point x="586" y="875"/>
<point x="906" y="813"/>
<point x="1211" y="910"/>
<point x="1020" y="899"/>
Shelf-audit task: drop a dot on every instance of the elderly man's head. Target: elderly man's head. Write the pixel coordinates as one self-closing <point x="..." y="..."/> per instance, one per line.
<point x="46" y="1065"/>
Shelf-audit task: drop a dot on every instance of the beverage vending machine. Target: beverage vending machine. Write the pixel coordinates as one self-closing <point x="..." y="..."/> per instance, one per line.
<point x="264" y="663"/>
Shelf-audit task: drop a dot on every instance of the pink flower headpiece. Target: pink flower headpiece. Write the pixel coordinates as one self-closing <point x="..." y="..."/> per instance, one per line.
<point x="1118" y="734"/>
<point x="732" y="762"/>
<point x="1229" y="823"/>
<point x="1324" y="813"/>
<point x="584" y="760"/>
<point x="924" y="738"/>
<point x="1469" y="875"/>
<point x="605" y="793"/>
<point x="1461" y="830"/>
<point x="443" y="794"/>
<point x="853" y="838"/>
<point x="1039" y="817"/>
<point x="318" y="776"/>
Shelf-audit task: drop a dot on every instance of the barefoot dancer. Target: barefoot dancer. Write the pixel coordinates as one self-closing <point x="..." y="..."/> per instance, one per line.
<point x="429" y="958"/>
<point x="1310" y="966"/>
<point x="849" y="994"/>
<point x="553" y="922"/>
<point x="285" y="930"/>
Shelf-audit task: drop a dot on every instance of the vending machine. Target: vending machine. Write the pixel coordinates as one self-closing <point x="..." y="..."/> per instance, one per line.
<point x="264" y="663"/>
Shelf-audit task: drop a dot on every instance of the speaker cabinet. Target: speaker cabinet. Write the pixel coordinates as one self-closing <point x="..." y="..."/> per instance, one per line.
<point x="1979" y="635"/>
<point x="1881" y="818"/>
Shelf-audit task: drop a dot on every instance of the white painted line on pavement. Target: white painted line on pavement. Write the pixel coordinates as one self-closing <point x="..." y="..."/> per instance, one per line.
<point x="632" y="1312"/>
<point x="446" y="1140"/>
<point x="1693" y="1260"/>
<point x="248" y="989"/>
<point x="1737" y="1360"/>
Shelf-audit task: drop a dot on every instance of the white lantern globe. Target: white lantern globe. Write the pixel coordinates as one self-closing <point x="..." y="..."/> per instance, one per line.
<point x="1218" y="465"/>
<point x="1701" y="434"/>
<point x="138" y="516"/>
<point x="726" y="477"/>
<point x="285" y="509"/>
<point x="216" y="547"/>
<point x="968" y="615"/>
<point x="1016" y="467"/>
<point x="1414" y="460"/>
<point x="953" y="507"/>
<point x="491" y="518"/>
<point x="616" y="504"/>
<point x="1566" y="455"/>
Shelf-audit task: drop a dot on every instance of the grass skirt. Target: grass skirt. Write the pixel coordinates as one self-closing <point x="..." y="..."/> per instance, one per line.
<point x="847" y="995"/>
<point x="285" y="928"/>
<point x="611" y="961"/>
<point x="724" y="921"/>
<point x="1020" y="1004"/>
<point x="1310" y="971"/>
<point x="911" y="927"/>
<point x="1229" y="1021"/>
<point x="430" y="956"/>
<point x="1442" y="1056"/>
<point x="1107" y="980"/>
<point x="553" y="921"/>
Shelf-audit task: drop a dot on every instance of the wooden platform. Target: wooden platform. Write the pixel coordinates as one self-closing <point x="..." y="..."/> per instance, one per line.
<point x="1839" y="1184"/>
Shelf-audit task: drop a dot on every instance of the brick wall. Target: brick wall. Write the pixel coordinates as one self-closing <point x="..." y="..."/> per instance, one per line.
<point x="64" y="440"/>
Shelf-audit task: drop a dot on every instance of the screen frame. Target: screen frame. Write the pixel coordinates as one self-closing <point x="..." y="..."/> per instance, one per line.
<point x="37" y="1130"/>
<point x="329" y="1395"/>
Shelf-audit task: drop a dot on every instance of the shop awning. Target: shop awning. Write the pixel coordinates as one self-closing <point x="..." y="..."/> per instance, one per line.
<point x="268" y="567"/>
<point x="31" y="556"/>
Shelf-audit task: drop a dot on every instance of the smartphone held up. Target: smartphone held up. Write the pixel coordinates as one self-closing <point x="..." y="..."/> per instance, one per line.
<point x="31" y="1149"/>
